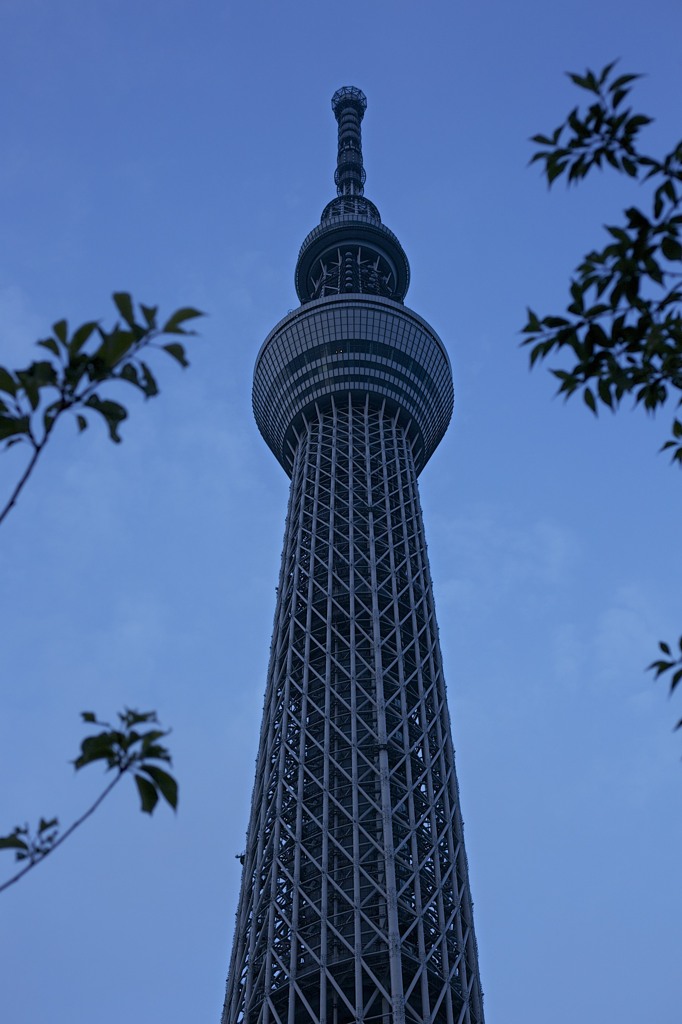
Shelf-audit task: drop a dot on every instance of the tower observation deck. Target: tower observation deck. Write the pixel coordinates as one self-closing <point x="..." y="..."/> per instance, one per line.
<point x="355" y="903"/>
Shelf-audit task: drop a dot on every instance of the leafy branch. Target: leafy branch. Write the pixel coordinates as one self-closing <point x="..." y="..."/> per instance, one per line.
<point x="604" y="133"/>
<point x="70" y="377"/>
<point x="622" y="329"/>
<point x="670" y="663"/>
<point x="126" y="751"/>
<point x="623" y="325"/>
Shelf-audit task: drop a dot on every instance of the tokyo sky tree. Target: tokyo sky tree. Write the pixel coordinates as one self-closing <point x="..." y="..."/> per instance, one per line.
<point x="355" y="902"/>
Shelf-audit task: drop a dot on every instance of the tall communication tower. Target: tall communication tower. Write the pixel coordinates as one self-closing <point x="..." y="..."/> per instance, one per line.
<point x="355" y="902"/>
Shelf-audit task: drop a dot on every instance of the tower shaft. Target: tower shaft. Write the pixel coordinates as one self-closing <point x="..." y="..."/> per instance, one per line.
<point x="355" y="903"/>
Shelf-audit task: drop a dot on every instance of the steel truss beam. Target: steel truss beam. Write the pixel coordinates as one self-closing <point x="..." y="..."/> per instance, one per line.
<point x="355" y="901"/>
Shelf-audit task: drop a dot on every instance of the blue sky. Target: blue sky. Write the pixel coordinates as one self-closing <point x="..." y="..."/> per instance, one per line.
<point x="182" y="152"/>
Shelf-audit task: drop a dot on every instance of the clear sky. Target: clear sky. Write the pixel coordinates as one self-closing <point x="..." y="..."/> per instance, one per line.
<point x="182" y="151"/>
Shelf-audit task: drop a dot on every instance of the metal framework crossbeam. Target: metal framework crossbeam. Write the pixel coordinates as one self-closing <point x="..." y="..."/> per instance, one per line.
<point x="355" y="901"/>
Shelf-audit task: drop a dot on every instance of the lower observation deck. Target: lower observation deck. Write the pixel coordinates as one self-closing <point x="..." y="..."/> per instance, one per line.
<point x="370" y="347"/>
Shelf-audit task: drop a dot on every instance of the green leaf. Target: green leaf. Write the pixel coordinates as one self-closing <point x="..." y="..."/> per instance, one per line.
<point x="96" y="748"/>
<point x="149" y="313"/>
<point x="672" y="250"/>
<point x="80" y="337"/>
<point x="38" y="375"/>
<point x="7" y="382"/>
<point x="150" y="387"/>
<point x="172" y="325"/>
<point x="622" y="80"/>
<point x="604" y="390"/>
<point x="12" y="842"/>
<point x="82" y="423"/>
<point x="88" y="716"/>
<point x="129" y="373"/>
<point x="541" y="140"/>
<point x="596" y="336"/>
<point x="555" y="169"/>
<point x="112" y="412"/>
<point x="124" y="304"/>
<point x="606" y="71"/>
<point x="578" y="297"/>
<point x="50" y="344"/>
<point x="148" y="795"/>
<point x="150" y="737"/>
<point x="555" y="321"/>
<point x="618" y="233"/>
<point x="177" y="351"/>
<point x="130" y="718"/>
<point x="589" y="400"/>
<point x="637" y="122"/>
<point x="115" y="345"/>
<point x="541" y="155"/>
<point x="586" y="81"/>
<point x="43" y="372"/>
<point x="61" y="330"/>
<point x="9" y="426"/>
<point x="165" y="783"/>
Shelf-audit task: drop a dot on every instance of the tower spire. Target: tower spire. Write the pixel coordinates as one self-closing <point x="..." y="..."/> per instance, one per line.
<point x="349" y="105"/>
<point x="351" y="251"/>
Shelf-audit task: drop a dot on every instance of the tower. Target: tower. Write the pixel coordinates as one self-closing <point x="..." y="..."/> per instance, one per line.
<point x="355" y="901"/>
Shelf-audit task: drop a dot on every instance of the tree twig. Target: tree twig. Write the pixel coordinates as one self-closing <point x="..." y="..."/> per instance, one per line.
<point x="70" y="830"/>
<point x="20" y="485"/>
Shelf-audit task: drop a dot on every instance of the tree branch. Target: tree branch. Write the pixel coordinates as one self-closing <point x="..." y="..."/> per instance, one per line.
<point x="70" y="830"/>
<point x="20" y="485"/>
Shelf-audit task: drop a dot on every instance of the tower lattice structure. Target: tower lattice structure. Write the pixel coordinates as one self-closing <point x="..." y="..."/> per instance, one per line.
<point x="355" y="902"/>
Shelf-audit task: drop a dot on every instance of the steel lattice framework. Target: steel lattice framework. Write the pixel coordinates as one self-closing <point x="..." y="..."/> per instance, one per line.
<point x="355" y="901"/>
